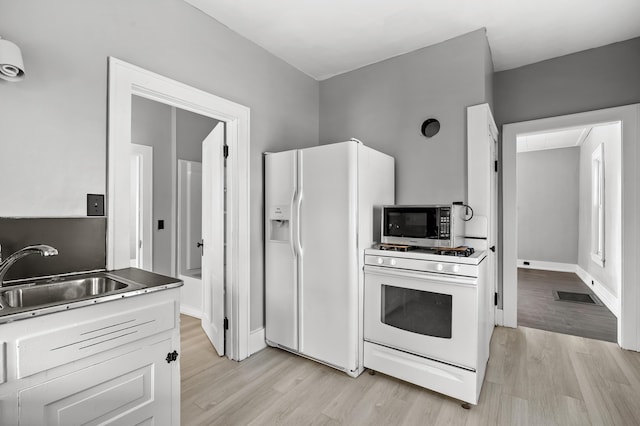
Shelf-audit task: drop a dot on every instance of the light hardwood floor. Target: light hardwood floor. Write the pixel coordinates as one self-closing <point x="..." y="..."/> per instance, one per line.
<point x="534" y="377"/>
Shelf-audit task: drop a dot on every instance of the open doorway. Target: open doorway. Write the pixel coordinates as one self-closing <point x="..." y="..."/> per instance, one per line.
<point x="125" y="81"/>
<point x="166" y="181"/>
<point x="182" y="148"/>
<point x="567" y="211"/>
<point x="628" y="301"/>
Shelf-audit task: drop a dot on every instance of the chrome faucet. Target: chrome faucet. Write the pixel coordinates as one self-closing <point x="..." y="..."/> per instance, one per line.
<point x="41" y="249"/>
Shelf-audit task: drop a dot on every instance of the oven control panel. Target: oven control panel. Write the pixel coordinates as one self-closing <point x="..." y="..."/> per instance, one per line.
<point x="422" y="265"/>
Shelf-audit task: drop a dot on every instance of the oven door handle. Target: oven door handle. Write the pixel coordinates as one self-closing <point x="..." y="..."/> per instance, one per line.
<point x="459" y="280"/>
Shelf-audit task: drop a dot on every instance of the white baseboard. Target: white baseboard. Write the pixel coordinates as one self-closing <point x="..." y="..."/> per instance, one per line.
<point x="547" y="266"/>
<point x="256" y="341"/>
<point x="191" y="311"/>
<point x="601" y="291"/>
<point x="499" y="318"/>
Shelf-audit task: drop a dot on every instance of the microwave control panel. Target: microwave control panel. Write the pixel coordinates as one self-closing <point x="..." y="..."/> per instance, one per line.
<point x="445" y="222"/>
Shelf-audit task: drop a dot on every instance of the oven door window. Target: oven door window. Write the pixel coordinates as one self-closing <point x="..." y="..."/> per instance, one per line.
<point x="417" y="311"/>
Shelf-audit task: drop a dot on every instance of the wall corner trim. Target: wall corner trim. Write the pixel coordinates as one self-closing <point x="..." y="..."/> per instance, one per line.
<point x="610" y="301"/>
<point x="190" y="311"/>
<point x="257" y="341"/>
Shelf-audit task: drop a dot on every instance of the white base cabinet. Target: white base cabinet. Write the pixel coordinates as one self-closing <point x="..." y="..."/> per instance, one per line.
<point x="102" y="364"/>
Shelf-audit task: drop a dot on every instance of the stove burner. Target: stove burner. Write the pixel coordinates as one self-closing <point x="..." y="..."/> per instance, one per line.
<point x="462" y="251"/>
<point x="395" y="247"/>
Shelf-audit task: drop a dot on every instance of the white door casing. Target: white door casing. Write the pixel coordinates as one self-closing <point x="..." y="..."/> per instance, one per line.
<point x="126" y="80"/>
<point x="213" y="237"/>
<point x="135" y="223"/>
<point x="142" y="184"/>
<point x="189" y="216"/>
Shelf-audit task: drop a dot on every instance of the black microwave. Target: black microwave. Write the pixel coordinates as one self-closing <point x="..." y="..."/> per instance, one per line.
<point x="423" y="226"/>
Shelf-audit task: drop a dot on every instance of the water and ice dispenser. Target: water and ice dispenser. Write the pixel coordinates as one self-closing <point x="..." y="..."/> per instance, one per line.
<point x="279" y="223"/>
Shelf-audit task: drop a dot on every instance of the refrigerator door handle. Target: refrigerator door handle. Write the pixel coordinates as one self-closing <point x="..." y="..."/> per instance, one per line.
<point x="298" y="245"/>
<point x="294" y="224"/>
<point x="297" y="224"/>
<point x="298" y="206"/>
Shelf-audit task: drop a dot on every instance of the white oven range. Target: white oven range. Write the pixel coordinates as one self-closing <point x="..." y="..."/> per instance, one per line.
<point x="428" y="319"/>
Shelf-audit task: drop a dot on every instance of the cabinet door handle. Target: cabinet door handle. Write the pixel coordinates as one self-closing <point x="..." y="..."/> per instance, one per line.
<point x="172" y="356"/>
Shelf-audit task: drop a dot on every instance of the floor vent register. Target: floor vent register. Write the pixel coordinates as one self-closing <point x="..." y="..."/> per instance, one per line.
<point x="568" y="296"/>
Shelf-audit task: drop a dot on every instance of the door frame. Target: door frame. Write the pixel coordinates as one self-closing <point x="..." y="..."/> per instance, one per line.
<point x="126" y="80"/>
<point x="185" y="168"/>
<point x="629" y="297"/>
<point x="144" y="156"/>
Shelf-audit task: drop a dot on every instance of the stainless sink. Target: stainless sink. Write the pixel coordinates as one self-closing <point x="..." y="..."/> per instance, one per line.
<point x="61" y="292"/>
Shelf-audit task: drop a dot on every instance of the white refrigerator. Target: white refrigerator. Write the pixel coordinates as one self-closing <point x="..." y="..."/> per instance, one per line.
<point x="322" y="209"/>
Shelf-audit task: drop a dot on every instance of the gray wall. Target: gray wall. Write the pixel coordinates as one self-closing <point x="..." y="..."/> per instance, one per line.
<point x="592" y="79"/>
<point x="54" y="122"/>
<point x="191" y="130"/>
<point x="548" y="193"/>
<point x="384" y="105"/>
<point x="609" y="275"/>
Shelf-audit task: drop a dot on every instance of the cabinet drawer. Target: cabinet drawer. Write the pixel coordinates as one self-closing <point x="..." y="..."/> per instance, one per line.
<point x="131" y="389"/>
<point x="43" y="351"/>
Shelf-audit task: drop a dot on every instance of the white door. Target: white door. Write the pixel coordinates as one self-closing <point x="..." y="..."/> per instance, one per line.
<point x="493" y="221"/>
<point x="482" y="187"/>
<point x="213" y="237"/>
<point x="141" y="225"/>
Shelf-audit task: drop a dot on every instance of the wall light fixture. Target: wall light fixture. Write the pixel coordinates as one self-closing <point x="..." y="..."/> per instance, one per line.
<point x="11" y="65"/>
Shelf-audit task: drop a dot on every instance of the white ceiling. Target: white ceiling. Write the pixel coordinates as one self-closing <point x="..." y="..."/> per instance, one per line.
<point x="551" y="140"/>
<point x="330" y="37"/>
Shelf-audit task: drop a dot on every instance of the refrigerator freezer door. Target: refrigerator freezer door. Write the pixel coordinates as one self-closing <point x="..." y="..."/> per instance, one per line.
<point x="281" y="292"/>
<point x="327" y="179"/>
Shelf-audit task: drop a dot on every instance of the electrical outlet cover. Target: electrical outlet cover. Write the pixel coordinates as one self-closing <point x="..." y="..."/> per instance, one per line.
<point x="95" y="205"/>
